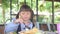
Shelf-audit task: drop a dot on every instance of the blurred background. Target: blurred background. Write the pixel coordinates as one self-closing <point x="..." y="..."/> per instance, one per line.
<point x="9" y="9"/>
<point x="45" y="11"/>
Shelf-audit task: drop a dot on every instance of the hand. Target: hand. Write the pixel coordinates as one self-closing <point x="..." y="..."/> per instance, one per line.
<point x="19" y="20"/>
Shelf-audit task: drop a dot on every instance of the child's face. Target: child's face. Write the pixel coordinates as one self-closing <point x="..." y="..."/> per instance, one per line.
<point x="25" y="15"/>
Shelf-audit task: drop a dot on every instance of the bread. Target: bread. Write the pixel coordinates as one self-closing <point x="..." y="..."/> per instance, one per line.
<point x="32" y="31"/>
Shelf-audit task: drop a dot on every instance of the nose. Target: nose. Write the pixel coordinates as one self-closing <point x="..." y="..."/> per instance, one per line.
<point x="25" y="14"/>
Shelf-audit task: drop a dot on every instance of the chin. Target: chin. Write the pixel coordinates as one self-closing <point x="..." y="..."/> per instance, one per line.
<point x="26" y="19"/>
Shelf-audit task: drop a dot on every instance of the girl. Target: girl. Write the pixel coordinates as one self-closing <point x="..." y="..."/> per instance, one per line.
<point x="23" y="21"/>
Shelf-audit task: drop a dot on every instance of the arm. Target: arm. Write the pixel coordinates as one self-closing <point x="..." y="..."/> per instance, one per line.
<point x="11" y="27"/>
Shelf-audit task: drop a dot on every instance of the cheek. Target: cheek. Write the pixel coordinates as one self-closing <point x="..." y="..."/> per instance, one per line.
<point x="22" y="16"/>
<point x="27" y="17"/>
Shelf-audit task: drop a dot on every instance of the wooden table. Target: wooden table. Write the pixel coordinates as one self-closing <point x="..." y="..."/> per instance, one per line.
<point x="1" y="29"/>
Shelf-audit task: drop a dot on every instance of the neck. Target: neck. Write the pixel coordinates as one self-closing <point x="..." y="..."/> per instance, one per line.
<point x="26" y="22"/>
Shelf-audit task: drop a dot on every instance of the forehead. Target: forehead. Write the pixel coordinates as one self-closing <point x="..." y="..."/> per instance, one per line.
<point x="25" y="11"/>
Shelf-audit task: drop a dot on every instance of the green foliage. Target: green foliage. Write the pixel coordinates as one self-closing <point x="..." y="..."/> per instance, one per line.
<point x="46" y="6"/>
<point x="49" y="6"/>
<point x="14" y="1"/>
<point x="40" y="18"/>
<point x="42" y="8"/>
<point x="0" y="18"/>
<point x="57" y="19"/>
<point x="5" y="4"/>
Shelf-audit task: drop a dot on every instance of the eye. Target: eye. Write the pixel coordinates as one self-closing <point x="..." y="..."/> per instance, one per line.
<point x="28" y="13"/>
<point x="22" y="13"/>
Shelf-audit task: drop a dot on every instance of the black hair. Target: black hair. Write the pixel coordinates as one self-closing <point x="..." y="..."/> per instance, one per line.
<point x="26" y="8"/>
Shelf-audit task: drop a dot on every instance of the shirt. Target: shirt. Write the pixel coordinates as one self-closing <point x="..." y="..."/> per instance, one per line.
<point x="11" y="27"/>
<point x="30" y="25"/>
